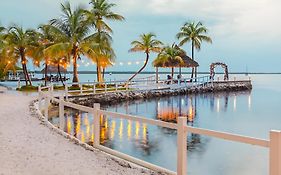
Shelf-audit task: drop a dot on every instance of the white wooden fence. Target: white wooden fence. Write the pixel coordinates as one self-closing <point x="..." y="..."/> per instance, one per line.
<point x="273" y="144"/>
<point x="139" y="84"/>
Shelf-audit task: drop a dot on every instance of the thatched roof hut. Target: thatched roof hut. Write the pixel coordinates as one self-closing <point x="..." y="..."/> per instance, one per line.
<point x="182" y="60"/>
<point x="54" y="69"/>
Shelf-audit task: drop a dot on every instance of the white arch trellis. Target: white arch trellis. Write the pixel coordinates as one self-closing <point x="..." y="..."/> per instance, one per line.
<point x="212" y="70"/>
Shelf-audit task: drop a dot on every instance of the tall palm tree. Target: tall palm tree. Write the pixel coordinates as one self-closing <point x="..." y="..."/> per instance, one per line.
<point x="101" y="11"/>
<point x="20" y="45"/>
<point x="75" y="40"/>
<point x="169" y="57"/>
<point x="146" y="44"/>
<point x="48" y="37"/>
<point x="194" y="33"/>
<point x="103" y="52"/>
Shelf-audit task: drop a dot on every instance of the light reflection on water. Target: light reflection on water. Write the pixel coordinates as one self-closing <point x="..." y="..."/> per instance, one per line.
<point x="247" y="113"/>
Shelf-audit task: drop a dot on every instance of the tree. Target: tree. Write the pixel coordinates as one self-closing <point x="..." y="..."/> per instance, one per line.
<point x="101" y="11"/>
<point x="59" y="62"/>
<point x="104" y="54"/>
<point x="73" y="29"/>
<point x="146" y="44"/>
<point x="48" y="37"/>
<point x="169" y="57"/>
<point x="194" y="33"/>
<point x="20" y="45"/>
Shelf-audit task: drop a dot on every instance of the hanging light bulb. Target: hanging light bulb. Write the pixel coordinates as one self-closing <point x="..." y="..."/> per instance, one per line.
<point x="137" y="62"/>
<point x="121" y="64"/>
<point x="129" y="63"/>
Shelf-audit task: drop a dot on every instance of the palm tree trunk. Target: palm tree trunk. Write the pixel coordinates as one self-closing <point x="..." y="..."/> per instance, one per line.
<point x="28" y="77"/>
<point x="146" y="61"/>
<point x="46" y="72"/>
<point x="192" y="53"/>
<point x="25" y="72"/>
<point x="172" y="73"/>
<point x="98" y="78"/>
<point x="75" y="71"/>
<point x="60" y="75"/>
<point x="103" y="72"/>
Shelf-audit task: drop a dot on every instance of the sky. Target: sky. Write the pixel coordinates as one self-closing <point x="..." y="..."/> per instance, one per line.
<point x="246" y="34"/>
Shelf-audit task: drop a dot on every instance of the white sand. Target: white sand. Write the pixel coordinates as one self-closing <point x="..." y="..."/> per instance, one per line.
<point x="28" y="147"/>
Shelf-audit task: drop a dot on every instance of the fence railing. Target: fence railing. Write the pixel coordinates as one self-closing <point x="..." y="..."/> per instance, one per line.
<point x="274" y="144"/>
<point x="140" y="84"/>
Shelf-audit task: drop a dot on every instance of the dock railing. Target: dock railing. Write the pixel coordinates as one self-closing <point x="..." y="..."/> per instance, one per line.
<point x="147" y="83"/>
<point x="273" y="144"/>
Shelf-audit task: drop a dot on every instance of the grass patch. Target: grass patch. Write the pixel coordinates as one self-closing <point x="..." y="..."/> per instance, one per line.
<point x="28" y="88"/>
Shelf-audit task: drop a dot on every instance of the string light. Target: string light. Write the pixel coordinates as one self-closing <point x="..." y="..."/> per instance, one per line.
<point x="137" y="62"/>
<point x="121" y="64"/>
<point x="129" y="63"/>
<point x="9" y="62"/>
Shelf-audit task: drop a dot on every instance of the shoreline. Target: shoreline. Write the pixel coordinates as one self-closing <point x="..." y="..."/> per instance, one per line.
<point x="29" y="147"/>
<point x="123" y="96"/>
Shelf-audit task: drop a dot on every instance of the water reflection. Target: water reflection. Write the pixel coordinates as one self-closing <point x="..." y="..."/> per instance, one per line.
<point x="146" y="141"/>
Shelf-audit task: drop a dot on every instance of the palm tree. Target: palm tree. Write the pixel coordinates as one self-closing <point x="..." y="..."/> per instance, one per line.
<point x="73" y="30"/>
<point x="194" y="33"/>
<point x="21" y="44"/>
<point x="169" y="57"/>
<point x="104" y="54"/>
<point x="146" y="44"/>
<point x="2" y="31"/>
<point x="101" y="11"/>
<point x="48" y="37"/>
<point x="59" y="62"/>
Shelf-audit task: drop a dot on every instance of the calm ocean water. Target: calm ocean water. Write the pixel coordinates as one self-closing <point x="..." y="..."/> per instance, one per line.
<point x="251" y="113"/>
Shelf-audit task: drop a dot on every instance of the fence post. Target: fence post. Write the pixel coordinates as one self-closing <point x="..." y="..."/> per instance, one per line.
<point x="19" y="83"/>
<point x="96" y="124"/>
<point x="94" y="88"/>
<point x="105" y="87"/>
<point x="61" y="112"/>
<point x="52" y="90"/>
<point x="275" y="153"/>
<point x="81" y="88"/>
<point x="39" y="98"/>
<point x="182" y="146"/>
<point x="47" y="102"/>
<point x="66" y="92"/>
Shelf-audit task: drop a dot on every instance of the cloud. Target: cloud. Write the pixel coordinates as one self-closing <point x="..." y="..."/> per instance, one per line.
<point x="255" y="19"/>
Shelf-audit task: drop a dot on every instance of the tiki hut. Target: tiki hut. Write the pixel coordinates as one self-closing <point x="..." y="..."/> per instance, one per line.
<point x="52" y="69"/>
<point x="178" y="62"/>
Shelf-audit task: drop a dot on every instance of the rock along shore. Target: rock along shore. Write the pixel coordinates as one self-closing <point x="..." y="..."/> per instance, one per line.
<point x="122" y="96"/>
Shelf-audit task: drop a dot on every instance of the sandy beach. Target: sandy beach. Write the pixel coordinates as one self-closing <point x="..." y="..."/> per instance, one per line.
<point x="28" y="147"/>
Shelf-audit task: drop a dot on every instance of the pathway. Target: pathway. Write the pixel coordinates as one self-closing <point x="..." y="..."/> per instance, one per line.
<point x="27" y="147"/>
